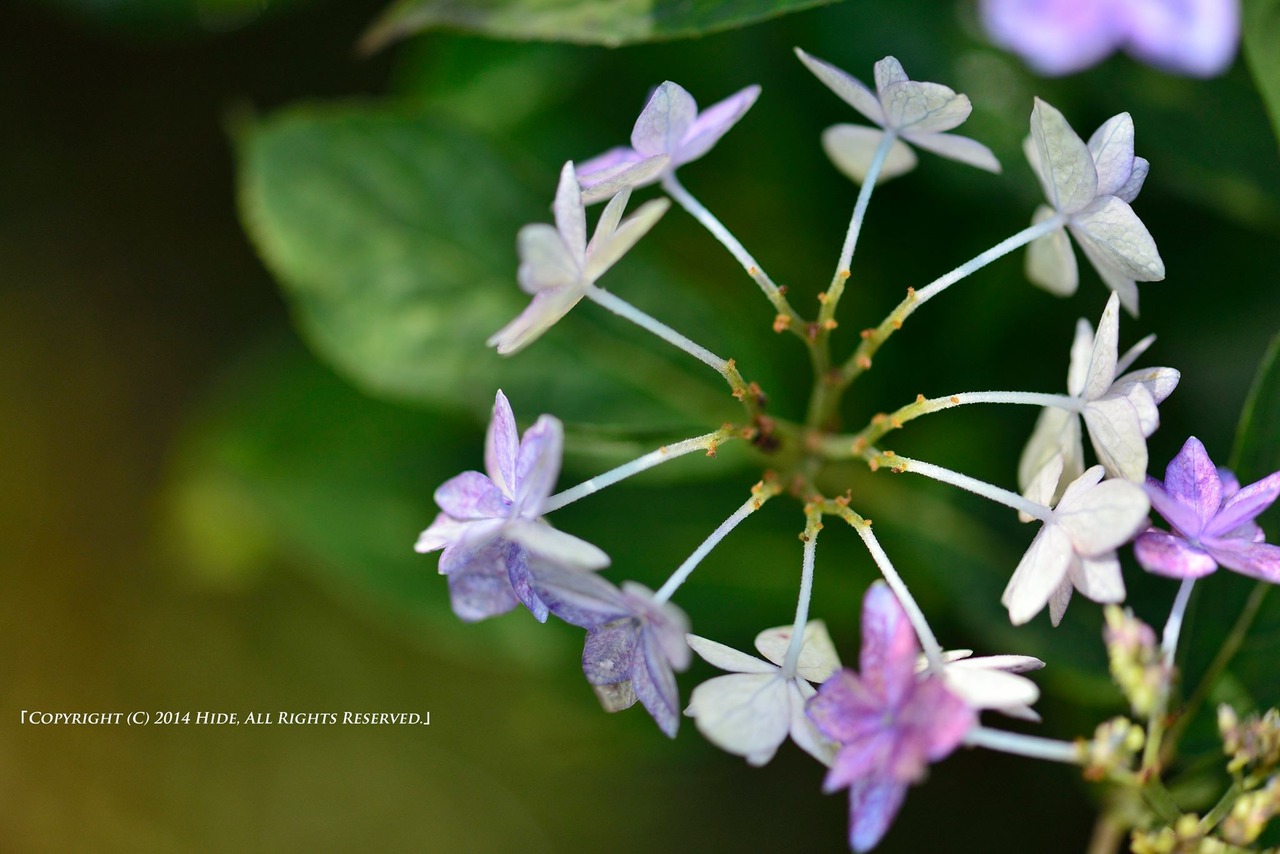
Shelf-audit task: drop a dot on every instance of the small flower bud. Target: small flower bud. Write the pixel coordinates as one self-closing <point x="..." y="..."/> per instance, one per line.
<point x="1134" y="659"/>
<point x="1114" y="745"/>
<point x="1251" y="813"/>
<point x="1253" y="743"/>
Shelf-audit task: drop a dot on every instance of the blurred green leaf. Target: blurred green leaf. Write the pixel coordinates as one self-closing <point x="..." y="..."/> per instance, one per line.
<point x="392" y="232"/>
<point x="606" y="22"/>
<point x="1257" y="450"/>
<point x="1261" y="35"/>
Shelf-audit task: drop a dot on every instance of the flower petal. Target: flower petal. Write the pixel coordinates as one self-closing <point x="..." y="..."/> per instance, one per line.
<point x="1115" y="427"/>
<point x="538" y="465"/>
<point x="917" y="107"/>
<point x="745" y="714"/>
<point x="571" y="217"/>
<point x="873" y="805"/>
<point x="1051" y="263"/>
<point x="803" y="731"/>
<point x="655" y="683"/>
<point x="1059" y="601"/>
<point x="606" y="253"/>
<point x="1099" y="578"/>
<point x="1258" y="560"/>
<point x="1066" y="168"/>
<point x="981" y="688"/>
<point x="1114" y="231"/>
<point x="578" y="598"/>
<point x="481" y="591"/>
<point x="958" y="148"/>
<point x="887" y="72"/>
<point x="1112" y="149"/>
<point x="853" y="147"/>
<point x="1100" y="518"/>
<point x="1039" y="573"/>
<point x="665" y="120"/>
<point x="1197" y="37"/>
<point x="1244" y="506"/>
<point x="887" y="659"/>
<point x="609" y="654"/>
<point x="501" y="443"/>
<point x="1137" y="177"/>
<point x="728" y="658"/>
<point x="1102" y="359"/>
<point x="470" y="496"/>
<point x="556" y="546"/>
<point x="545" y="261"/>
<point x="818" y="659"/>
<point x="605" y="176"/>
<point x="1165" y="554"/>
<point x="850" y="90"/>
<point x="542" y="312"/>
<point x="1192" y="479"/>
<point x="713" y="123"/>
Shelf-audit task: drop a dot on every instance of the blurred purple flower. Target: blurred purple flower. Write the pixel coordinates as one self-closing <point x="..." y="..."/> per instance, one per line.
<point x="1212" y="520"/>
<point x="1196" y="37"/>
<point x="633" y="643"/>
<point x="492" y="524"/>
<point x="669" y="133"/>
<point x="889" y="723"/>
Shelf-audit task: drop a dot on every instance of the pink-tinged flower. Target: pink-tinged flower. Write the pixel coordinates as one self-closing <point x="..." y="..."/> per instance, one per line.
<point x="751" y="711"/>
<point x="633" y="643"/>
<point x="1076" y="548"/>
<point x="1119" y="407"/>
<point x="491" y="524"/>
<point x="669" y="133"/>
<point x="914" y="111"/>
<point x="1212" y="521"/>
<point x="1089" y="187"/>
<point x="889" y="723"/>
<point x="1196" y="37"/>
<point x="557" y="264"/>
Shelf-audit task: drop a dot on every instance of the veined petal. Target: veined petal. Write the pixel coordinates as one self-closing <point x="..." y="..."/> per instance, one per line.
<point x="604" y="255"/>
<point x="887" y="659"/>
<point x="545" y="261"/>
<point x="1099" y="578"/>
<point x="571" y="217"/>
<point x="1057" y="434"/>
<point x="853" y="147"/>
<point x="475" y="542"/>
<point x="1137" y="177"/>
<point x="442" y="531"/>
<point x="481" y="591"/>
<point x="655" y="684"/>
<point x="728" y="658"/>
<point x="1050" y="262"/>
<point x="1042" y="482"/>
<point x="543" y="311"/>
<point x="1102" y="360"/>
<point x="1066" y="168"/>
<point x="1159" y="382"/>
<point x="1059" y="601"/>
<point x="617" y="169"/>
<point x="609" y="654"/>
<point x="1099" y="519"/>
<point x="501" y="443"/>
<point x="1081" y="357"/>
<point x="982" y="688"/>
<point x="748" y="714"/>
<point x="470" y="496"/>
<point x="556" y="546"/>
<point x="918" y="107"/>
<point x="608" y="222"/>
<point x="1258" y="560"/>
<point x="1112" y="149"/>
<point x="713" y="123"/>
<point x="1119" y="237"/>
<point x="818" y="659"/>
<point x="579" y="598"/>
<point x="803" y="731"/>
<point x="1038" y="574"/>
<point x="1165" y="554"/>
<point x="1244" y="506"/>
<point x="538" y="465"/>
<point x="887" y="72"/>
<point x="1115" y="430"/>
<point x="665" y="120"/>
<point x="1180" y="514"/>
<point x="850" y="90"/>
<point x="1192" y="479"/>
<point x="953" y="147"/>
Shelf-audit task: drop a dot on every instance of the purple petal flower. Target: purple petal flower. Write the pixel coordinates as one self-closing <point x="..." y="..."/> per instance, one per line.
<point x="1212" y="520"/>
<point x="633" y="643"/>
<point x="889" y="723"/>
<point x="669" y="133"/>
<point x="492" y="525"/>
<point x="1196" y="37"/>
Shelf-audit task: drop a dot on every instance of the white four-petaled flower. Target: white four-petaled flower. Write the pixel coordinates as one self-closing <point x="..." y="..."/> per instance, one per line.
<point x="1120" y="412"/>
<point x="1089" y="188"/>
<point x="557" y="264"/>
<point x="751" y="711"/>
<point x="912" y="110"/>
<point x="1076" y="548"/>
<point x="990" y="681"/>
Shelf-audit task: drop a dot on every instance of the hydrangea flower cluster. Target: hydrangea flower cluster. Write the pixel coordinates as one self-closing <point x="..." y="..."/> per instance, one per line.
<point x="910" y="702"/>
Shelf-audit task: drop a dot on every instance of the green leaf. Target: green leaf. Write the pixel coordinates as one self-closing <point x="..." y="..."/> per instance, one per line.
<point x="1257" y="449"/>
<point x="392" y="233"/>
<point x="605" y="22"/>
<point x="1261" y="35"/>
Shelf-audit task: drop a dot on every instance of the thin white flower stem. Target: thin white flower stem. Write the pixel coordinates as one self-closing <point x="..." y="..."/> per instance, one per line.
<point x="705" y="442"/>
<point x="928" y="641"/>
<point x="685" y="199"/>
<point x="860" y="206"/>
<point x="977" y="487"/>
<point x="1168" y="649"/>
<point x="873" y="338"/>
<point x="810" y="538"/>
<point x="1032" y="746"/>
<point x="846" y="446"/>
<point x="626" y="310"/>
<point x="760" y="493"/>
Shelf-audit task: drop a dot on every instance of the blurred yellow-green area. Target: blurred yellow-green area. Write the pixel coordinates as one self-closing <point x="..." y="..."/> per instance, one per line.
<point x="204" y="508"/>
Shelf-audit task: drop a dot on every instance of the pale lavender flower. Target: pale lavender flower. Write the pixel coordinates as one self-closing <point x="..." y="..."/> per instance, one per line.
<point x="1076" y="548"/>
<point x="1212" y="520"/>
<point x="1119" y="409"/>
<point x="557" y="264"/>
<point x="915" y="111"/>
<point x="1089" y="188"/>
<point x="633" y="643"/>
<point x="751" y="711"/>
<point x="888" y="722"/>
<point x="669" y="133"/>
<point x="1196" y="37"/>
<point x="492" y="523"/>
